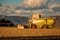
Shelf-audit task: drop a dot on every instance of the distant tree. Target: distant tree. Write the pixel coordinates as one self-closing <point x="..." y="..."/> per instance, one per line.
<point x="6" y="23"/>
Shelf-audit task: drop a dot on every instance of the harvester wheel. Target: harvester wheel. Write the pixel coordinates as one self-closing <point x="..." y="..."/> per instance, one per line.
<point x="33" y="26"/>
<point x="45" y="27"/>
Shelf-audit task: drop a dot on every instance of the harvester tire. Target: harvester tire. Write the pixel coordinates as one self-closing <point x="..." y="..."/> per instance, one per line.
<point x="45" y="27"/>
<point x="33" y="26"/>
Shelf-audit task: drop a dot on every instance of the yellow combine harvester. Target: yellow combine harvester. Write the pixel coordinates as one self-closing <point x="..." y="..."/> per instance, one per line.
<point x="38" y="22"/>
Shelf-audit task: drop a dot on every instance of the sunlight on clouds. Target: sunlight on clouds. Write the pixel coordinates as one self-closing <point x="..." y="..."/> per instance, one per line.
<point x="54" y="5"/>
<point x="18" y="11"/>
<point x="34" y="3"/>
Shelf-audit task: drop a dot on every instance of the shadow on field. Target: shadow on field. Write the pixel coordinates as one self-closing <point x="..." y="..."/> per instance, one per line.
<point x="32" y="38"/>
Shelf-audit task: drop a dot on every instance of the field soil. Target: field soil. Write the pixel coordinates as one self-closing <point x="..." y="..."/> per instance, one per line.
<point x="15" y="32"/>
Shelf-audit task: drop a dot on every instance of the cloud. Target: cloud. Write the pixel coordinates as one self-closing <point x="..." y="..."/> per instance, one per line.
<point x="12" y="10"/>
<point x="44" y="12"/>
<point x="35" y="3"/>
<point x="55" y="7"/>
<point x="56" y="13"/>
<point x="0" y="4"/>
<point x="18" y="11"/>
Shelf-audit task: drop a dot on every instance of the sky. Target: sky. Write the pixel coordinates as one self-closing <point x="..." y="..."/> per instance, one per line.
<point x="27" y="7"/>
<point x="15" y="2"/>
<point x="18" y="2"/>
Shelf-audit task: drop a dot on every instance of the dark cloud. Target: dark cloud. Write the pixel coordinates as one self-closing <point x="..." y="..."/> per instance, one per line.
<point x="56" y="9"/>
<point x="0" y="4"/>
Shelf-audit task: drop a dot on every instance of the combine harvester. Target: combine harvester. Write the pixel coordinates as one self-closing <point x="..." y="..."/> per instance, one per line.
<point x="39" y="22"/>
